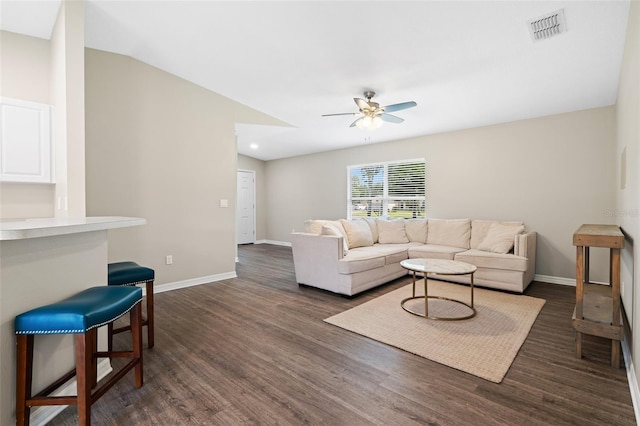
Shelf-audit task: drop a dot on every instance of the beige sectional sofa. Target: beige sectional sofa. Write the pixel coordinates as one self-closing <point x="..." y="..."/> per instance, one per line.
<point x="350" y="256"/>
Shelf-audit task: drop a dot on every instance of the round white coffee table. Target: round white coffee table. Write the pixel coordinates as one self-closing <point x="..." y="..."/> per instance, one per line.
<point x="440" y="267"/>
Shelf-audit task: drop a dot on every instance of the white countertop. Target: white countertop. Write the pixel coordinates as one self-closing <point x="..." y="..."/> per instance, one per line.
<point x="20" y="229"/>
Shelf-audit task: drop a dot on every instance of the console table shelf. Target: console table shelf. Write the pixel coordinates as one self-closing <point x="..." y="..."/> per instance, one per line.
<point x="598" y="310"/>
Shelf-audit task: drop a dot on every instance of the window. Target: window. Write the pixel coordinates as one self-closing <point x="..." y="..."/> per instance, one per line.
<point x="393" y="189"/>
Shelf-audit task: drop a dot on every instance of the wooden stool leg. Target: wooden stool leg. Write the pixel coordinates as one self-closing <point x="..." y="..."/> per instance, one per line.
<point x="93" y="336"/>
<point x="84" y="355"/>
<point x="110" y="337"/>
<point x="150" y="333"/>
<point x="135" y="318"/>
<point x="24" y="374"/>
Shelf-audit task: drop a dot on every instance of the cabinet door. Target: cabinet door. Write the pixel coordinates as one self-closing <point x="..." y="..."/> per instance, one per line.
<point x="25" y="141"/>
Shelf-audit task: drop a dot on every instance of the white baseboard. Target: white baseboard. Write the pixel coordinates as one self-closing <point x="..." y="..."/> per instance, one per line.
<point x="274" y="242"/>
<point x="193" y="282"/>
<point x="555" y="280"/>
<point x="43" y="415"/>
<point x="560" y="280"/>
<point x="632" y="379"/>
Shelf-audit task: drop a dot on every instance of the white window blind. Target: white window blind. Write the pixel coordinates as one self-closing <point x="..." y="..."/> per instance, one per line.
<point x="393" y="189"/>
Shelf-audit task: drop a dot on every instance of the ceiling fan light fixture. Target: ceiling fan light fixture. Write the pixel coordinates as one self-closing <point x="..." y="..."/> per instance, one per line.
<point x="373" y="115"/>
<point x="369" y="122"/>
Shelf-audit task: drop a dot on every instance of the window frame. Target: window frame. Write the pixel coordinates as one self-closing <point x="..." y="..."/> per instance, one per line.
<point x="384" y="199"/>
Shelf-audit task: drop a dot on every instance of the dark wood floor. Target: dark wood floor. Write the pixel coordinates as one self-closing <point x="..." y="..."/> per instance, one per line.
<point x="254" y="350"/>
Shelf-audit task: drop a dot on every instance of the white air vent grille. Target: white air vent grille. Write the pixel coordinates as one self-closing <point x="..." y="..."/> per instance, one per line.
<point x="548" y="25"/>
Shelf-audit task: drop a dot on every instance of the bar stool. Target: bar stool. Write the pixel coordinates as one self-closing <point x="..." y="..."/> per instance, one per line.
<point x="132" y="274"/>
<point x="81" y="315"/>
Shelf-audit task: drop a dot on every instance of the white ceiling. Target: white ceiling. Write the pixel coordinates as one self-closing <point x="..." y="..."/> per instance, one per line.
<point x="466" y="64"/>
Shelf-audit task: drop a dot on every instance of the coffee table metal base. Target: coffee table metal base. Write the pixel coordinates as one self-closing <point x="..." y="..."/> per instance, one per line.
<point x="471" y="315"/>
<point x="426" y="298"/>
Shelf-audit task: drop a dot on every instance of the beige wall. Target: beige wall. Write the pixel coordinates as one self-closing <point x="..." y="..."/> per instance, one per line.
<point x="554" y="173"/>
<point x="164" y="149"/>
<point x="26" y="65"/>
<point x="248" y="163"/>
<point x="628" y="203"/>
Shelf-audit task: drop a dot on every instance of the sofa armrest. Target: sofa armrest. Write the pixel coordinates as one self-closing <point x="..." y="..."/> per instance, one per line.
<point x="315" y="259"/>
<point x="525" y="246"/>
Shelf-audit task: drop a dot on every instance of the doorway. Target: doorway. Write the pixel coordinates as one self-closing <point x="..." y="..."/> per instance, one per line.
<point x="246" y="207"/>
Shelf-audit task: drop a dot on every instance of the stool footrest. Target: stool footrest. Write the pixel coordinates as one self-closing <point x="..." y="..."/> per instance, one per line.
<point x="42" y="399"/>
<point x="115" y="354"/>
<point x="128" y="327"/>
<point x="55" y="385"/>
<point x="114" y="379"/>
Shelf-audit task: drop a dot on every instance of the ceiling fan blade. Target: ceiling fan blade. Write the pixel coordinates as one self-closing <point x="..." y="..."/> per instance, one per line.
<point x="398" y="107"/>
<point x="391" y="118"/>
<point x="362" y="104"/>
<point x="355" y="123"/>
<point x="340" y="113"/>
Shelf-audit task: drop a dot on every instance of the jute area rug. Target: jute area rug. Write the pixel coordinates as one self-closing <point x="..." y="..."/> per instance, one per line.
<point x="484" y="345"/>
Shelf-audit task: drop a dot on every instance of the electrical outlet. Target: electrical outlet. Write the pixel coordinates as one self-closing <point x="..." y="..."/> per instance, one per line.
<point x="168" y="260"/>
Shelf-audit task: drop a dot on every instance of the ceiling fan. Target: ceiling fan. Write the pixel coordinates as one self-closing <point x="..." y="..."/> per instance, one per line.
<point x="373" y="114"/>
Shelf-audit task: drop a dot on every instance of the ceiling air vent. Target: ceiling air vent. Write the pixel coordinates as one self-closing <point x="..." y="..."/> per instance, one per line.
<point x="548" y="25"/>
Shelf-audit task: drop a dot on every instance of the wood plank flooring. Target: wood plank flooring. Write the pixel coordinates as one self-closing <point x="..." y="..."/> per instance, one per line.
<point x="254" y="350"/>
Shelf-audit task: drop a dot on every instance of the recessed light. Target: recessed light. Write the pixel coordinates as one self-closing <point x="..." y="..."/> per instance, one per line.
<point x="253" y="146"/>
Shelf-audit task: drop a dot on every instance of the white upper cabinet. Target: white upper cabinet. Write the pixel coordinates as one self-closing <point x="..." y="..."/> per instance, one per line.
<point x="25" y="142"/>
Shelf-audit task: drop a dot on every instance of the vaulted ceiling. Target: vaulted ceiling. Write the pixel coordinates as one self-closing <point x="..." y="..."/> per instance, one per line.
<point x="466" y="64"/>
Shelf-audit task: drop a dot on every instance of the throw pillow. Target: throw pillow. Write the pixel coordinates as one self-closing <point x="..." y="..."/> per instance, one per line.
<point x="449" y="232"/>
<point x="391" y="232"/>
<point x="416" y="230"/>
<point x="314" y="226"/>
<point x="480" y="229"/>
<point x="500" y="238"/>
<point x="332" y="230"/>
<point x="374" y="227"/>
<point x="358" y="233"/>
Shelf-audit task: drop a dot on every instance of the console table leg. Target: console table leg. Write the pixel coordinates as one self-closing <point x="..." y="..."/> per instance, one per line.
<point x="615" y="353"/>
<point x="579" y="344"/>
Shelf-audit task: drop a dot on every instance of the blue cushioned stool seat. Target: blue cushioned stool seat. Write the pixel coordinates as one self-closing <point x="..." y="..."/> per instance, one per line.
<point x="132" y="274"/>
<point x="129" y="273"/>
<point x="81" y="315"/>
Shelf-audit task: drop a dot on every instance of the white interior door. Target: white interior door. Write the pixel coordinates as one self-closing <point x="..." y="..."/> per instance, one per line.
<point x="245" y="220"/>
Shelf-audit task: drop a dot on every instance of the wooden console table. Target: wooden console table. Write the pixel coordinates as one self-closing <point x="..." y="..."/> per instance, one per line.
<point x="597" y="310"/>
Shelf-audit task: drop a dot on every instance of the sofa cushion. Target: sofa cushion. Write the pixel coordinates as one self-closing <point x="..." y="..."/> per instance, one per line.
<point x="480" y="228"/>
<point x="391" y="232"/>
<point x="434" y="251"/>
<point x="331" y="229"/>
<point x="485" y="259"/>
<point x="416" y="230"/>
<point x="392" y="253"/>
<point x="500" y="238"/>
<point x="449" y="232"/>
<point x="374" y="227"/>
<point x="359" y="261"/>
<point x="358" y="233"/>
